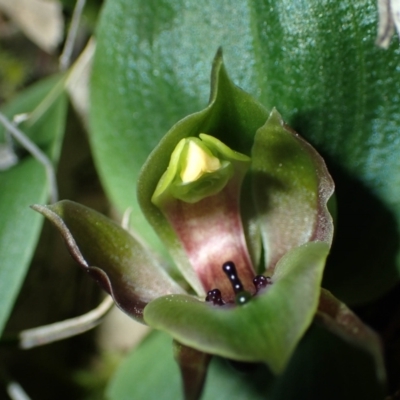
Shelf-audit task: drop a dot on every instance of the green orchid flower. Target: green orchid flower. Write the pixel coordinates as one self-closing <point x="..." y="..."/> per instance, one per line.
<point x="240" y="201"/>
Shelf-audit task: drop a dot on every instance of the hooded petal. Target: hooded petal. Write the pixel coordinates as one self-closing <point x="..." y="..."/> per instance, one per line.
<point x="267" y="328"/>
<point x="291" y="187"/>
<point x="199" y="195"/>
<point x="233" y="117"/>
<point x="111" y="256"/>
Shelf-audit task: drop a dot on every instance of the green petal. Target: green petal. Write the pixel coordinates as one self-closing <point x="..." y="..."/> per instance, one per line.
<point x="266" y="329"/>
<point x="111" y="256"/>
<point x="291" y="187"/>
<point x="233" y="117"/>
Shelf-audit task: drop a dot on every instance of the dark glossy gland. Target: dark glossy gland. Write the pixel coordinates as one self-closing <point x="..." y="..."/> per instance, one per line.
<point x="230" y="271"/>
<point x="261" y="281"/>
<point x="242" y="298"/>
<point x="215" y="296"/>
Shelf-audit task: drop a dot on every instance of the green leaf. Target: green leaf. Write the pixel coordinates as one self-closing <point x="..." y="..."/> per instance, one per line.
<point x="315" y="61"/>
<point x="266" y="329"/>
<point x="149" y="372"/>
<point x="24" y="184"/>
<point x="111" y="256"/>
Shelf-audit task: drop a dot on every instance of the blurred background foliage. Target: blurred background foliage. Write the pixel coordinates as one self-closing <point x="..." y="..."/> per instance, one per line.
<point x="315" y="60"/>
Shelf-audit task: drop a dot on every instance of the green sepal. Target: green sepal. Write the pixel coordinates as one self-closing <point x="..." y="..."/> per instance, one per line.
<point x="111" y="255"/>
<point x="265" y="329"/>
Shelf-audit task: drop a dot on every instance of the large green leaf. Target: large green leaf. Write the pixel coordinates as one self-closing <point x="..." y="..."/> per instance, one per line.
<point x="147" y="369"/>
<point x="24" y="184"/>
<point x="314" y="60"/>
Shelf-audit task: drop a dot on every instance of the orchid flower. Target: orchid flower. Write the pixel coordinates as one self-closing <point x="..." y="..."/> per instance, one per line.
<point x="240" y="201"/>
